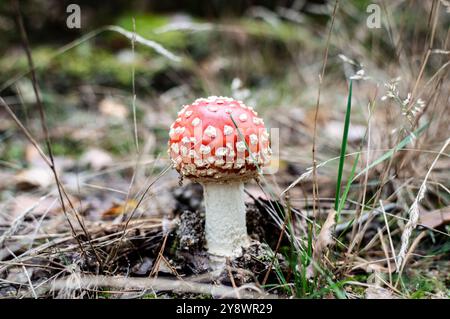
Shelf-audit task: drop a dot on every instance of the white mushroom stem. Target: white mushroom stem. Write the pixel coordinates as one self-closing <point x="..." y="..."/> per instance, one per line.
<point x="225" y="224"/>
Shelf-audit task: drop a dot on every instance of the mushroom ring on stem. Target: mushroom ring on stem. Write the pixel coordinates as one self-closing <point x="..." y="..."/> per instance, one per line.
<point x="220" y="143"/>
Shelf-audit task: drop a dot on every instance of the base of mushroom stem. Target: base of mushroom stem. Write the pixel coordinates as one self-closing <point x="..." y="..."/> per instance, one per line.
<point x="219" y="262"/>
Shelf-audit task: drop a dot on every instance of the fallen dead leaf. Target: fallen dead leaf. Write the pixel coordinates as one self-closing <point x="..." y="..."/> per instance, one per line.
<point x="111" y="107"/>
<point x="324" y="239"/>
<point x="5" y="123"/>
<point x="35" y="177"/>
<point x="435" y="218"/>
<point x="48" y="205"/>
<point x="334" y="130"/>
<point x="96" y="158"/>
<point x="33" y="157"/>
<point x="22" y="203"/>
<point x="118" y="209"/>
<point x="5" y="179"/>
<point x="323" y="116"/>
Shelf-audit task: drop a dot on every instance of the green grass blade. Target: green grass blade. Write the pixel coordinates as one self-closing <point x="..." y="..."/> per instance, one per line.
<point x="343" y="146"/>
<point x="347" y="188"/>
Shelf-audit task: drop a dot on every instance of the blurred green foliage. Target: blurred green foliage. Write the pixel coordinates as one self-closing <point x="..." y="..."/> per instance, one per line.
<point x="148" y="24"/>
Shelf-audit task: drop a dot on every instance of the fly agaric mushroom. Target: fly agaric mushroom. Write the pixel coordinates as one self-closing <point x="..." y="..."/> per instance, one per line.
<point x="220" y="143"/>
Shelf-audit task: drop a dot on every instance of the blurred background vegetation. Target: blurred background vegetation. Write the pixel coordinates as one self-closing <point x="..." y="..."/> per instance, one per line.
<point x="270" y="47"/>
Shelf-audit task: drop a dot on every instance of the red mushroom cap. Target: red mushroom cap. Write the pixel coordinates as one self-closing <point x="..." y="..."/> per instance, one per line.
<point x="206" y="140"/>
